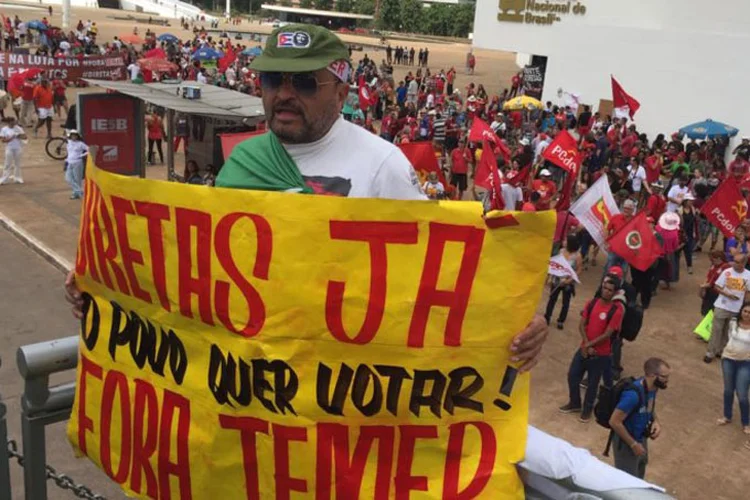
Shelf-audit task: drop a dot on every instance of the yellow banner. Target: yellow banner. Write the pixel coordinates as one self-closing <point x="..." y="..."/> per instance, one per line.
<point x="242" y="344"/>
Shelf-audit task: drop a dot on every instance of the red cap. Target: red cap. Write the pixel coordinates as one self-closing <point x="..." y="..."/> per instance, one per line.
<point x="616" y="270"/>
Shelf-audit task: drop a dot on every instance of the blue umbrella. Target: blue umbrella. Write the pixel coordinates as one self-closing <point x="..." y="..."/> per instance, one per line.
<point x="708" y="128"/>
<point x="167" y="37"/>
<point x="36" y="25"/>
<point x="252" y="51"/>
<point x="206" y="53"/>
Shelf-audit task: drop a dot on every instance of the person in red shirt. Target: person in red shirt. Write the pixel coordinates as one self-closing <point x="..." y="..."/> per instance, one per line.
<point x="26" y="116"/>
<point x="739" y="167"/>
<point x="460" y="159"/>
<point x="707" y="292"/>
<point x="60" y="101"/>
<point x="43" y="99"/>
<point x="155" y="127"/>
<point x="530" y="206"/>
<point x="600" y="319"/>
<point x="567" y="225"/>
<point x="654" y="165"/>
<point x="656" y="203"/>
<point x="450" y="77"/>
<point x="515" y="85"/>
<point x="619" y="220"/>
<point x="628" y="141"/>
<point x="546" y="189"/>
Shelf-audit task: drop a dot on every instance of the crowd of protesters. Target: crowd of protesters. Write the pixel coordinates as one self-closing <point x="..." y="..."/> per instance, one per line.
<point x="667" y="177"/>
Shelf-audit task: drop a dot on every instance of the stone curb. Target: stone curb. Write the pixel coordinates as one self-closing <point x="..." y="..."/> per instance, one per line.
<point x="60" y="263"/>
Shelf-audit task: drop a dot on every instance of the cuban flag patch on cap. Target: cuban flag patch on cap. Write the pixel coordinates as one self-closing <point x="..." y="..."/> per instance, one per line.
<point x="295" y="40"/>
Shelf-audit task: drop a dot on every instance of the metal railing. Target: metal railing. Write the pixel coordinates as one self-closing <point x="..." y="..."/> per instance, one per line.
<point x="42" y="404"/>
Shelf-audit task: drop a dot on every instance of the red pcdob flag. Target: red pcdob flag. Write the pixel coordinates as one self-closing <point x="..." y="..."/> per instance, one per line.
<point x="480" y="131"/>
<point x="636" y="243"/>
<point x="620" y="98"/>
<point x="726" y="208"/>
<point x="563" y="152"/>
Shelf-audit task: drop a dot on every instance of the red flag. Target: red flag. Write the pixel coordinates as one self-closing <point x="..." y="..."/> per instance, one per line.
<point x="488" y="177"/>
<point x="421" y="155"/>
<point x="365" y="97"/>
<point x="566" y="193"/>
<point x="620" y="98"/>
<point x="563" y="152"/>
<point x="726" y="208"/>
<point x="635" y="242"/>
<point x="480" y="131"/>
<point x="521" y="177"/>
<point x="226" y="60"/>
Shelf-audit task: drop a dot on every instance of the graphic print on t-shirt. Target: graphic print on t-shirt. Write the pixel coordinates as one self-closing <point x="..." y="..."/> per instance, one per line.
<point x="735" y="284"/>
<point x="330" y="186"/>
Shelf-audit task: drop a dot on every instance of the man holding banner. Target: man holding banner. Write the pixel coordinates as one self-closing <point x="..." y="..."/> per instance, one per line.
<point x="309" y="149"/>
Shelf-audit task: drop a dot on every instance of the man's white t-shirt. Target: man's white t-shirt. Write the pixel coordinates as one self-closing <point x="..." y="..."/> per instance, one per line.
<point x="413" y="88"/>
<point x="540" y="148"/>
<point x="511" y="196"/>
<point x="350" y="161"/>
<point x="134" y="71"/>
<point x="676" y="192"/>
<point x="637" y="175"/>
<point x="201" y="78"/>
<point x="8" y="132"/>
<point x="736" y="284"/>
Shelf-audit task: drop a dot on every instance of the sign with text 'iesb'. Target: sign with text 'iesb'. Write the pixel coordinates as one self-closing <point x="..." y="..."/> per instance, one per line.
<point x="240" y="344"/>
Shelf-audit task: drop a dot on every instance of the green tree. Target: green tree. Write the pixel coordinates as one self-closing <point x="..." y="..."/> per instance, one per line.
<point x="323" y="4"/>
<point x="389" y="17"/>
<point x="411" y="16"/>
<point x="364" y="7"/>
<point x="344" y="5"/>
<point x="285" y="3"/>
<point x="306" y="4"/>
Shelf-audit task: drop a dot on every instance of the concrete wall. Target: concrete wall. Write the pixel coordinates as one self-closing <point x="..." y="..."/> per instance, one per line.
<point x="684" y="60"/>
<point x="163" y="8"/>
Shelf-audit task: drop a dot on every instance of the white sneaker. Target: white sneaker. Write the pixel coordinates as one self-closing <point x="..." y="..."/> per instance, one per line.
<point x="19" y="181"/>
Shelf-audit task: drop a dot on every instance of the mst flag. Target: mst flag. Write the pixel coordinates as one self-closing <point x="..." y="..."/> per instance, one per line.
<point x="595" y="209"/>
<point x="563" y="152"/>
<point x="621" y="99"/>
<point x="636" y="243"/>
<point x="726" y="208"/>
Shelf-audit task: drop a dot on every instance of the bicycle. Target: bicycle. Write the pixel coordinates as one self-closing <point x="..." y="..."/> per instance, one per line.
<point x="57" y="148"/>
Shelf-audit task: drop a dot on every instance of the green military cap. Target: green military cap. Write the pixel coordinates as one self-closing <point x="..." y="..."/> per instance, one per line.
<point x="298" y="48"/>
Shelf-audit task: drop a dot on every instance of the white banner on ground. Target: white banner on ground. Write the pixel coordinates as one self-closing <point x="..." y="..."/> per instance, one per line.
<point x="595" y="208"/>
<point x="561" y="268"/>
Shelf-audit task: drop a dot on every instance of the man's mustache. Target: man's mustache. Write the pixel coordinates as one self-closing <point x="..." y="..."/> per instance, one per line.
<point x="287" y="106"/>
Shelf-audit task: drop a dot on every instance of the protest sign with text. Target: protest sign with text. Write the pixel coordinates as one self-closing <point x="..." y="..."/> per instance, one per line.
<point x="68" y="68"/>
<point x="238" y="343"/>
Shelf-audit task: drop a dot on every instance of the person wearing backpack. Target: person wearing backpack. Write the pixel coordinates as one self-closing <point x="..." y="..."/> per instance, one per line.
<point x="600" y="319"/>
<point x="632" y="319"/>
<point x="634" y="419"/>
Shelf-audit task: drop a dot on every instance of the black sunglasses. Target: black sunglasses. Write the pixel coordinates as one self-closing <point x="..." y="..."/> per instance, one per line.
<point x="305" y="84"/>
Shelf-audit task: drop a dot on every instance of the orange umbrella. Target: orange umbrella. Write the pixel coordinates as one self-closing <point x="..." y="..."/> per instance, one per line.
<point x="131" y="39"/>
<point x="157" y="64"/>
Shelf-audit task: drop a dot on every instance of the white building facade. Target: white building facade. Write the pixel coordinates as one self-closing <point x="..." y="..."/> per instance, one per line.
<point x="684" y="60"/>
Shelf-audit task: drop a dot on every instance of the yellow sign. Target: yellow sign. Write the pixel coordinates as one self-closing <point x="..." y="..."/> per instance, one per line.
<point x="544" y="12"/>
<point x="240" y="344"/>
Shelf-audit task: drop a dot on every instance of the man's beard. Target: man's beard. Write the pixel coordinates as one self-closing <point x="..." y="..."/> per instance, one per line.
<point x="310" y="131"/>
